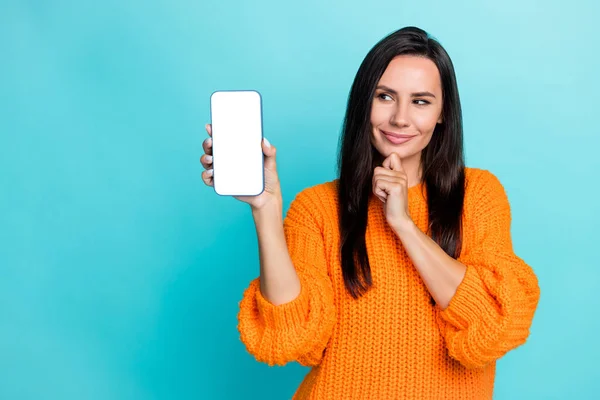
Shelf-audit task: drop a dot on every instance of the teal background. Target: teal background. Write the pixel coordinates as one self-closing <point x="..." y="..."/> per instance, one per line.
<point x="120" y="272"/>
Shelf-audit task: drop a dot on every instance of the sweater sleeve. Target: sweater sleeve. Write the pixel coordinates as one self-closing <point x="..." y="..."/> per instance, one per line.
<point x="493" y="308"/>
<point x="300" y="329"/>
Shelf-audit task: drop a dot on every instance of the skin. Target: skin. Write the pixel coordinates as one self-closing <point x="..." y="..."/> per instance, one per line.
<point x="279" y="282"/>
<point x="408" y="100"/>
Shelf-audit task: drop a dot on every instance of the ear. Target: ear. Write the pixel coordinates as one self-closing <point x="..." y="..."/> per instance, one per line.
<point x="440" y="119"/>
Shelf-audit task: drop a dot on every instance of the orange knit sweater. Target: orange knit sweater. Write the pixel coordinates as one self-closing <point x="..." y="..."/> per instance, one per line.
<point x="392" y="343"/>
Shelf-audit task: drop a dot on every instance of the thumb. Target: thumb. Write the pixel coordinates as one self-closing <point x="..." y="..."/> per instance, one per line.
<point x="269" y="151"/>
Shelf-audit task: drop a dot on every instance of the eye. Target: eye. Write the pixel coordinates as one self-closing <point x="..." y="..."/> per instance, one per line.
<point x="421" y="102"/>
<point x="383" y="96"/>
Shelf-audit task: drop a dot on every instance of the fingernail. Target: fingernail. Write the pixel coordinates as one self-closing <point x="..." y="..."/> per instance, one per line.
<point x="208" y="159"/>
<point x="209" y="172"/>
<point x="207" y="140"/>
<point x="267" y="142"/>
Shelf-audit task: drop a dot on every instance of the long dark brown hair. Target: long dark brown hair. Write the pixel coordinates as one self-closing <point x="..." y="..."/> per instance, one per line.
<point x="442" y="161"/>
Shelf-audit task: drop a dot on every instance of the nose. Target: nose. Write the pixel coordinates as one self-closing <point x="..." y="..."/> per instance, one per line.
<point x="399" y="116"/>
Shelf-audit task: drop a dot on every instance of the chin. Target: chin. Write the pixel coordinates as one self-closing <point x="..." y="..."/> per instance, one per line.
<point x="387" y="149"/>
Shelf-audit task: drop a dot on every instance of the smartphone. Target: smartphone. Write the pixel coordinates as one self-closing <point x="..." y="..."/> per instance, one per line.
<point x="237" y="132"/>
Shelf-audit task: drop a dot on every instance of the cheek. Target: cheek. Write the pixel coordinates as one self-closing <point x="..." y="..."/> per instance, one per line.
<point x="426" y="123"/>
<point x="377" y="116"/>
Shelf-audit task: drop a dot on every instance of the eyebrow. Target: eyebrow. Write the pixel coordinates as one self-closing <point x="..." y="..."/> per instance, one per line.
<point x="416" y="94"/>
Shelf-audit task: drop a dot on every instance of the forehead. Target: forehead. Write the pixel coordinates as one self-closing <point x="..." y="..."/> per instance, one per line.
<point x="411" y="73"/>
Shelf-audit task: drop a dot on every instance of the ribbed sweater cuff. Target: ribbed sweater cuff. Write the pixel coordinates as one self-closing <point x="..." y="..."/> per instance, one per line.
<point x="468" y="303"/>
<point x="290" y="316"/>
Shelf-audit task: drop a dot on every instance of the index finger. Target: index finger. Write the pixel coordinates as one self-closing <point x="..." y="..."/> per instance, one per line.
<point x="208" y="129"/>
<point x="393" y="162"/>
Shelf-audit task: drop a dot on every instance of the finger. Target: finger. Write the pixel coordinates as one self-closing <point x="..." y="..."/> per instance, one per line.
<point x="270" y="154"/>
<point x="393" y="176"/>
<point x="208" y="129"/>
<point x="382" y="199"/>
<point x="207" y="146"/>
<point x="381" y="171"/>
<point x="389" y="185"/>
<point x="207" y="177"/>
<point x="380" y="193"/>
<point x="393" y="162"/>
<point x="206" y="161"/>
<point x="268" y="148"/>
<point x="380" y="185"/>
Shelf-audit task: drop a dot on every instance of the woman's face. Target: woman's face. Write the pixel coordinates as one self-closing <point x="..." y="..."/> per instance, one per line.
<point x="406" y="107"/>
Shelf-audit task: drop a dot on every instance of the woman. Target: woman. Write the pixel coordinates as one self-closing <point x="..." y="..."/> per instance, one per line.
<point x="397" y="280"/>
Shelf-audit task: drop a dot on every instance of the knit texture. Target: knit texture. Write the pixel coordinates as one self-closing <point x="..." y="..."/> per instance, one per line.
<point x="392" y="343"/>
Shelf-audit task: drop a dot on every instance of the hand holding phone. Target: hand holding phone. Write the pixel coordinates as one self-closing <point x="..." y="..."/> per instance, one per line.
<point x="239" y="162"/>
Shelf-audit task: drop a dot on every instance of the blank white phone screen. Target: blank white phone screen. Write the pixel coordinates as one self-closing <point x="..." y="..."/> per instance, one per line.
<point x="236" y="119"/>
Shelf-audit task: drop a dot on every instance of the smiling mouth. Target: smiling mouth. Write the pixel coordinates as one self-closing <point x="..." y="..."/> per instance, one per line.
<point x="396" y="138"/>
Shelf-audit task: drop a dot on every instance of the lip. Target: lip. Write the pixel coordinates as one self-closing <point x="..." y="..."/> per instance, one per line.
<point x="396" y="138"/>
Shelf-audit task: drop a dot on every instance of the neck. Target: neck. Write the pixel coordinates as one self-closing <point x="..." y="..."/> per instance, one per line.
<point x="412" y="167"/>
